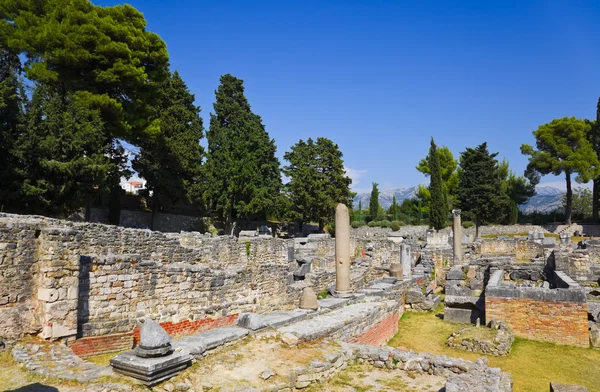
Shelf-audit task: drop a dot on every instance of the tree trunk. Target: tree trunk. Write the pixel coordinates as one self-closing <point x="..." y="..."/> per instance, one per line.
<point x="155" y="209"/>
<point x="595" y="202"/>
<point x="476" y="227"/>
<point x="569" y="206"/>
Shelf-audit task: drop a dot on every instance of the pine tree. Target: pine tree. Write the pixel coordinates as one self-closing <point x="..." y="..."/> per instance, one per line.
<point x="564" y="147"/>
<point x="438" y="208"/>
<point x="374" y="203"/>
<point x="243" y="177"/>
<point x="62" y="154"/>
<point x="479" y="186"/>
<point x="318" y="181"/>
<point x="170" y="161"/>
<point x="12" y="101"/>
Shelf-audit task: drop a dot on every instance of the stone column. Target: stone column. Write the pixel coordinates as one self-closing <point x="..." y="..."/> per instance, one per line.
<point x="342" y="251"/>
<point x="406" y="261"/>
<point x="457" y="229"/>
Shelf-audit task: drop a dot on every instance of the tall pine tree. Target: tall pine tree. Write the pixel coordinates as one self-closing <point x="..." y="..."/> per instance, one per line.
<point x="243" y="177"/>
<point x="479" y="186"/>
<point x="318" y="181"/>
<point x="170" y="161"/>
<point x="62" y="154"/>
<point x="12" y="102"/>
<point x="438" y="208"/>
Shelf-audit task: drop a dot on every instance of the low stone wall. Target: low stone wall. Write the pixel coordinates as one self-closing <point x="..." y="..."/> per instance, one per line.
<point x="583" y="265"/>
<point x="553" y="315"/>
<point x="521" y="249"/>
<point x="380" y="333"/>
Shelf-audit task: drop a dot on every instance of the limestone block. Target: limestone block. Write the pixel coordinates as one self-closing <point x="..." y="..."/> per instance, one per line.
<point x="595" y="335"/>
<point x="556" y="387"/>
<point x="59" y="331"/>
<point x="72" y="293"/>
<point x="48" y="295"/>
<point x="251" y="321"/>
<point x="308" y="300"/>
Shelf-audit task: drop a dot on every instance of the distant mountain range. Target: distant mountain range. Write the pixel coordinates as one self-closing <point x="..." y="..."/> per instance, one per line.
<point x="547" y="199"/>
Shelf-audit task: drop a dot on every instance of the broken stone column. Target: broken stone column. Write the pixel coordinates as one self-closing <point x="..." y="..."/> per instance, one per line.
<point x="308" y="299"/>
<point x="406" y="261"/>
<point x="154" y="360"/>
<point x="342" y="251"/>
<point x="457" y="229"/>
<point x="396" y="270"/>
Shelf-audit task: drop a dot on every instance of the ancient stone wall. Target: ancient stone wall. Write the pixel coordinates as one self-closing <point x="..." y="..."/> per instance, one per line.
<point x="583" y="265"/>
<point x="553" y="315"/>
<point x="521" y="249"/>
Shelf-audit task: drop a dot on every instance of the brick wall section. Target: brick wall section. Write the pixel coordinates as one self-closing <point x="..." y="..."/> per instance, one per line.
<point x="190" y="327"/>
<point x="556" y="322"/>
<point x="102" y="344"/>
<point x="380" y="333"/>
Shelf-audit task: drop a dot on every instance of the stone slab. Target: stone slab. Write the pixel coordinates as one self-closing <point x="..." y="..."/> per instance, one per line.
<point x="197" y="345"/>
<point x="147" y="367"/>
<point x="460" y="315"/>
<point x="557" y="387"/>
<point x="332" y="302"/>
<point x="325" y="324"/>
<point x="277" y="319"/>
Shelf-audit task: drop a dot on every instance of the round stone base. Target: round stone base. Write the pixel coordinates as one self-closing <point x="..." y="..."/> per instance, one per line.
<point x="343" y="294"/>
<point x="144" y="352"/>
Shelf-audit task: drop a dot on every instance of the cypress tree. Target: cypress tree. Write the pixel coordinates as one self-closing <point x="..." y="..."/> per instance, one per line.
<point x="438" y="208"/>
<point x="374" y="203"/>
<point x="170" y="161"/>
<point x="243" y="175"/>
<point x="595" y="139"/>
<point x="479" y="186"/>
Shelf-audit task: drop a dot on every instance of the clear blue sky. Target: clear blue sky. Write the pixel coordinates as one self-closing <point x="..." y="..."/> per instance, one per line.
<point x="381" y="77"/>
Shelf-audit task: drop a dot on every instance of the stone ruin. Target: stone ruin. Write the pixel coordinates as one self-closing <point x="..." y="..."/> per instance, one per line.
<point x="91" y="285"/>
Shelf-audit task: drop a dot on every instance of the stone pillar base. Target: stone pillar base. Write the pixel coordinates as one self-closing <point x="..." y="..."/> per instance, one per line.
<point x="343" y="294"/>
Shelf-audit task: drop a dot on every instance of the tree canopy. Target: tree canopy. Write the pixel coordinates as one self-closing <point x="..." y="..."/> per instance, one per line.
<point x="243" y="175"/>
<point x="317" y="180"/>
<point x="564" y="147"/>
<point x="479" y="184"/>
<point x="171" y="160"/>
<point x="374" y="203"/>
<point x="438" y="207"/>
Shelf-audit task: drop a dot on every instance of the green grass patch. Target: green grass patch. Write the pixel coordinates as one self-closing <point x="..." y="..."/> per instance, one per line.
<point x="532" y="364"/>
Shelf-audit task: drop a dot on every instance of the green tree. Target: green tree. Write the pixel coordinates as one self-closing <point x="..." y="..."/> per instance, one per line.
<point x="104" y="55"/>
<point x="243" y="175"/>
<point x="62" y="154"/>
<point x="518" y="189"/>
<point x="170" y="161"/>
<point x="438" y="207"/>
<point x="101" y="56"/>
<point x="563" y="146"/>
<point x="595" y="140"/>
<point x="374" y="203"/>
<point x="448" y="166"/>
<point x="479" y="184"/>
<point x="394" y="209"/>
<point x="12" y="105"/>
<point x="582" y="203"/>
<point x="318" y="181"/>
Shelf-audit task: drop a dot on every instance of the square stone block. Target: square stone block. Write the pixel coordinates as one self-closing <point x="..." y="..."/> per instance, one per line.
<point x="150" y="370"/>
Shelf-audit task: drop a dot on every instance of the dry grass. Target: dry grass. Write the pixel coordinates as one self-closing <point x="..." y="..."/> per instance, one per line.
<point x="532" y="364"/>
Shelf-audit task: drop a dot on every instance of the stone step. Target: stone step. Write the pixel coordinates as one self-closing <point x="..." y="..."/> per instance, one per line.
<point x="324" y="324"/>
<point x="277" y="319"/>
<point x="197" y="345"/>
<point x="332" y="302"/>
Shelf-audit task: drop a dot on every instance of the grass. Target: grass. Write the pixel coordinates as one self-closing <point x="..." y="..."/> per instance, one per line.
<point x="532" y="364"/>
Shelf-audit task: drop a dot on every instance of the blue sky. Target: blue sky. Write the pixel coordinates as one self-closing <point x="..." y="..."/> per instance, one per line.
<point x="380" y="78"/>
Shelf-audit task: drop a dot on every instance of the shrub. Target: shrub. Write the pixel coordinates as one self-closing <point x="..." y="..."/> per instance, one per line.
<point x="373" y="223"/>
<point x="396" y="225"/>
<point x="467" y="224"/>
<point x="355" y="224"/>
<point x="385" y="223"/>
